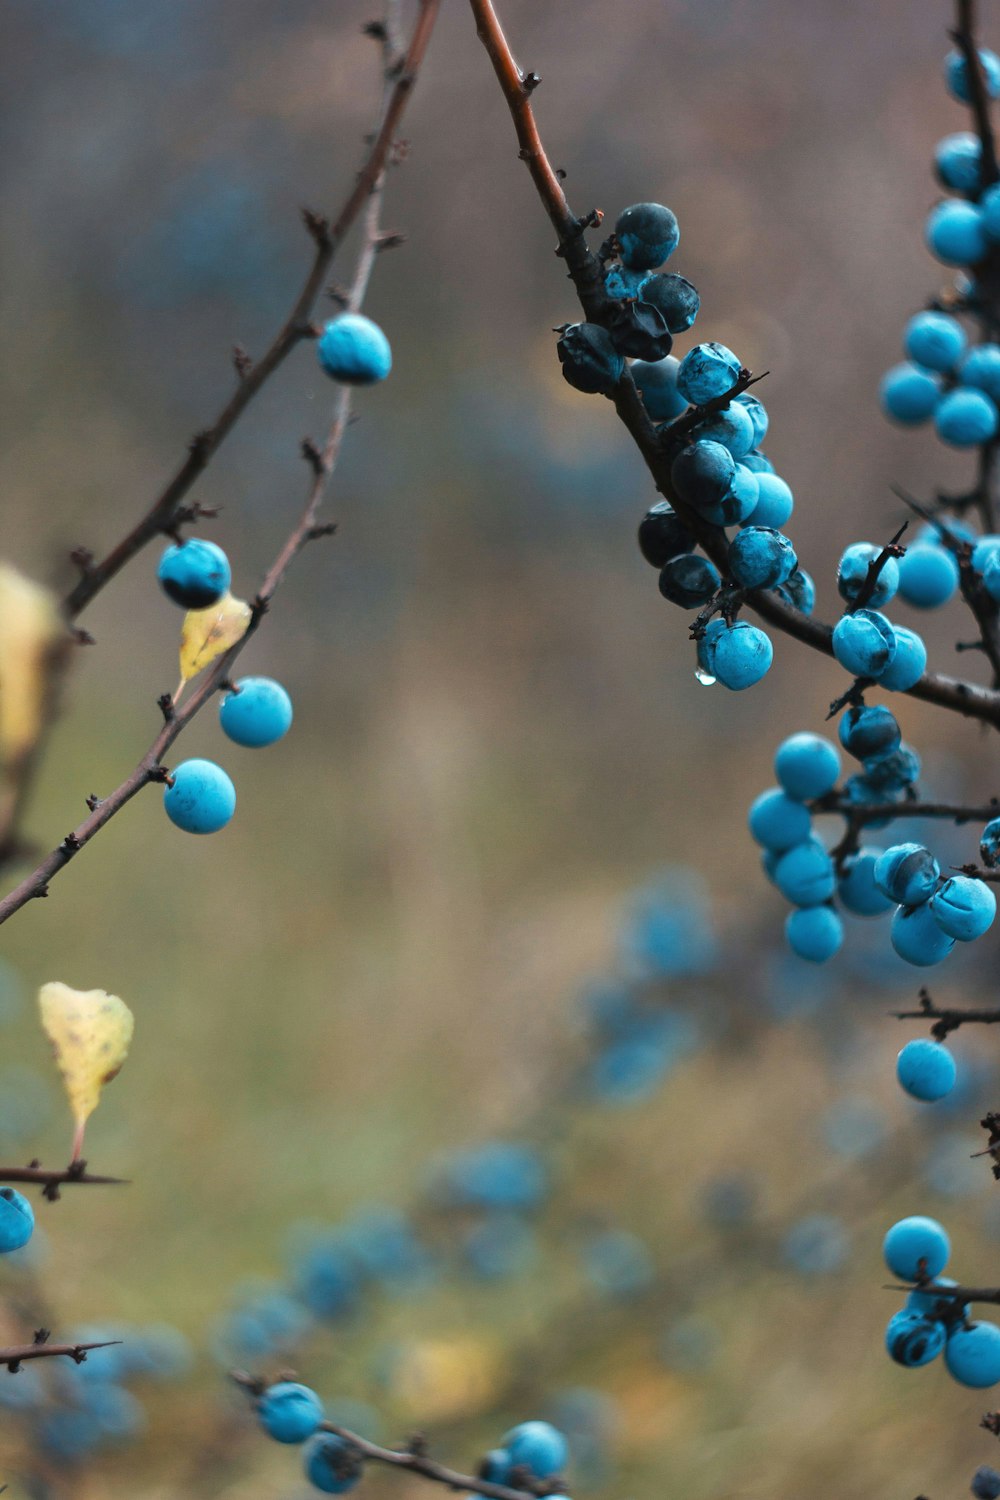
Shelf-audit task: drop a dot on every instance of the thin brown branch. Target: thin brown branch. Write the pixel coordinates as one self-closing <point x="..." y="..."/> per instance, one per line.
<point x="946" y="1019"/>
<point x="51" y="1180"/>
<point x="13" y="1356"/>
<point x="876" y="567"/>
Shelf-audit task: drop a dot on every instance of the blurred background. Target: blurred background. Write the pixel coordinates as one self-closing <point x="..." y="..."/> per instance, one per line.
<point x="390" y="956"/>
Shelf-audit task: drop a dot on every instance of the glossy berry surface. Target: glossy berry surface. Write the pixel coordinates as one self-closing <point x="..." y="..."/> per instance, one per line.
<point x="955" y="233"/>
<point x="775" y="501"/>
<point x="739" y="502"/>
<point x="956" y="161"/>
<point x="916" y="1248"/>
<point x="538" y="1446"/>
<point x="805" y="875"/>
<point x="917" y="938"/>
<point x="662" y="535"/>
<point x="869" y="730"/>
<point x="289" y="1412"/>
<point x="194" y="574"/>
<point x="707" y="371"/>
<point x="908" y="663"/>
<point x="757" y="412"/>
<point x="980" y="370"/>
<point x="989" y="843"/>
<point x="913" y="1339"/>
<point x="956" y="74"/>
<point x="731" y="427"/>
<point x="972" y="1355"/>
<point x="656" y="381"/>
<point x="702" y="473"/>
<point x="907" y="873"/>
<point x="647" y="234"/>
<point x="926" y="1070"/>
<point x="258" y="713"/>
<point x="354" y="350"/>
<point x="590" y="362"/>
<point x="761" y="557"/>
<point x="17" y="1220"/>
<point x="330" y="1464"/>
<point x="742" y="656"/>
<point x="964" y="908"/>
<point x="202" y="798"/>
<point x="864" y="643"/>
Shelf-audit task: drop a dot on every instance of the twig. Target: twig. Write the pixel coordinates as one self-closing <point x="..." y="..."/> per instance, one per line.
<point x="946" y="1018"/>
<point x="875" y="568"/>
<point x="965" y="40"/>
<point x="14" y="1355"/>
<point x="52" y="1180"/>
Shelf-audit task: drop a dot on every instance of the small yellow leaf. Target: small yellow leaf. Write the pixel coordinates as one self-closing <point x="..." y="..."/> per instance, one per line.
<point x="30" y="628"/>
<point x="90" y="1032"/>
<point x="206" y="633"/>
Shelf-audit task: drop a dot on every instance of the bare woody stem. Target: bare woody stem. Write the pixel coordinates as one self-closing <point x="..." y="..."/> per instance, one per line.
<point x="51" y="1181"/>
<point x="15" y="1355"/>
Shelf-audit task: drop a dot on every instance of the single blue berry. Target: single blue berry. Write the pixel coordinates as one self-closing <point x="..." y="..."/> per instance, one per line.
<point x="662" y="535"/>
<point x="689" y="580"/>
<point x="775" y="501"/>
<point x="917" y="938"/>
<point x="354" y="350"/>
<point x="17" y="1220"/>
<point x="864" y="643"/>
<point x="964" y="418"/>
<point x="909" y="395"/>
<point x="991" y="576"/>
<point x="980" y="371"/>
<point x="674" y="298"/>
<point x="985" y="1483"/>
<point x="731" y="427"/>
<point x="778" y="822"/>
<point x="916" y="1249"/>
<point x="656" y="382"/>
<point x="702" y="473"/>
<point x="707" y="371"/>
<point x="935" y="341"/>
<point x="799" y="591"/>
<point x="815" y="933"/>
<point x="540" y="1447"/>
<point x="857" y="888"/>
<point x="989" y="843"/>
<point x="907" y="873"/>
<point x="739" y="502"/>
<point x="972" y="1355"/>
<point x="928" y="576"/>
<point x="202" y="798"/>
<point x="194" y="574"/>
<point x="852" y="574"/>
<point x="758" y="462"/>
<point x="908" y="664"/>
<point x="256" y="712"/>
<point x="956" y="74"/>
<point x="742" y="656"/>
<point x="893" y="772"/>
<point x="926" y="1070"/>
<point x="761" y="557"/>
<point x="866" y="731"/>
<point x="496" y="1466"/>
<point x="954" y="233"/>
<point x="807" y="765"/>
<point x="289" y="1412"/>
<point x="964" y="908"/>
<point x="590" y="362"/>
<point x="957" y="160"/>
<point x="805" y="875"/>
<point x="758" y="415"/>
<point x="331" y="1464"/>
<point x="912" y="1339"/>
<point x="647" y="234"/>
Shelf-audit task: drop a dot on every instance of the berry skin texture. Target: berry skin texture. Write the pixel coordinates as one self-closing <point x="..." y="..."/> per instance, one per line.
<point x="909" y="395"/>
<point x="864" y="643"/>
<point x="674" y="298"/>
<point x="742" y="656"/>
<point x="689" y="580"/>
<point x="964" y="908"/>
<point x="815" y="933"/>
<point x="590" y="362"/>
<point x="908" y="664"/>
<point x="917" y="938"/>
<point x="194" y="574"/>
<point x="907" y="873"/>
<point x="934" y="341"/>
<point x="869" y="731"/>
<point x="656" y="382"/>
<point x="662" y="535"/>
<point x="965" y="418"/>
<point x="926" y="1070"/>
<point x="956" y="161"/>
<point x="805" y="875"/>
<point x="985" y="1483"/>
<point x="777" y="822"/>
<point x="758" y="462"/>
<point x="258" y="713"/>
<point x="799" y="591"/>
<point x="928" y="576"/>
<point x="775" y="501"/>
<point x="758" y="415"/>
<point x="289" y="1412"/>
<point x="954" y="233"/>
<point x="852" y="574"/>
<point x="972" y="1355"/>
<point x="857" y="888"/>
<point x="739" y="502"/>
<point x="621" y="283"/>
<point x="707" y="371"/>
<point x="892" y="773"/>
<point x="648" y="234"/>
<point x="330" y="1464"/>
<point x="956" y="74"/>
<point x="702" y="473"/>
<point x="705" y="646"/>
<point x="980" y="370"/>
<point x="537" y="1445"/>
<point x="17" y="1220"/>
<point x="202" y="798"/>
<point x="733" y="428"/>
<point x="807" y="765"/>
<point x="760" y="558"/>
<point x="916" y="1249"/>
<point x="354" y="350"/>
<point x="912" y="1339"/>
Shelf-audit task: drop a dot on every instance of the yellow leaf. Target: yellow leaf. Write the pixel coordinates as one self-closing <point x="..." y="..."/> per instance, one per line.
<point x="29" y="629"/>
<point x="90" y="1032"/>
<point x="206" y="633"/>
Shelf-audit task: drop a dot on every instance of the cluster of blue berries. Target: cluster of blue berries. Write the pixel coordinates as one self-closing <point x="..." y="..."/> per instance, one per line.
<point x="917" y="1250"/>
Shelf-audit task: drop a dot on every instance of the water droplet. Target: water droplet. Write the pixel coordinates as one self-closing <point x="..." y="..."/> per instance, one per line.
<point x="705" y="678"/>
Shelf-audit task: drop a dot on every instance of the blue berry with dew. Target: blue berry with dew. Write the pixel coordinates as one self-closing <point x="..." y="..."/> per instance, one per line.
<point x="986" y="1483"/>
<point x="647" y="235"/>
<point x="815" y="933"/>
<point x="864" y="643"/>
<point x="257" y="711"/>
<point x="757" y="412"/>
<point x="805" y="874"/>
<point x="928" y="576"/>
<point x="201" y="799"/>
<point x="707" y="371"/>
<point x="331" y="1464"/>
<point x="955" y="234"/>
<point x="907" y="873"/>
<point x="742" y="655"/>
<point x="807" y="766"/>
<point x="917" y="938"/>
<point x="868" y="730"/>
<point x="777" y="821"/>
<point x="689" y="580"/>
<point x="857" y="887"/>
<point x="17" y="1220"/>
<point x="590" y="362"/>
<point x="926" y="1070"/>
<point x="909" y="395"/>
<point x="731" y="427"/>
<point x="538" y="1446"/>
<point x="935" y="341"/>
<point x="656" y="382"/>
<point x="916" y="1248"/>
<point x="705" y="646"/>
<point x="957" y="161"/>
<point x="964" y="908"/>
<point x="663" y="535"/>
<point x="913" y="1339"/>
<point x="194" y="574"/>
<point x="989" y="844"/>
<point x="956" y="74"/>
<point x="965" y="418"/>
<point x="908" y="663"/>
<point x="674" y="298"/>
<point x="852" y="574"/>
<point x="738" y="503"/>
<point x="775" y="501"/>
<point x="289" y="1412"/>
<point x="354" y="351"/>
<point x="761" y="557"/>
<point x="702" y="473"/>
<point x="972" y="1355"/>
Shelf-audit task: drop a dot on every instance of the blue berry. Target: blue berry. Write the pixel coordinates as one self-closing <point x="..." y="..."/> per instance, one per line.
<point x="662" y="535"/>
<point x="957" y="161"/>
<point x="674" y="298"/>
<point x="972" y="1355"/>
<point x="928" y="576"/>
<point x="805" y="875"/>
<point x="707" y="371"/>
<point x="331" y="1464"/>
<point x="621" y="283"/>
<point x="689" y="580"/>
<point x="656" y="381"/>
<point x="538" y="1446"/>
<point x="964" y="908"/>
<point x="799" y="591"/>
<point x="985" y="1483"/>
<point x="647" y="235"/>
<point x="705" y="646"/>
<point x="956" y="74"/>
<point x="965" y="418"/>
<point x="913" y="1339"/>
<point x="893" y="772"/>
<point x="852" y="574"/>
<point x="864" y="643"/>
<point x="989" y="205"/>
<point x="991" y="577"/>
<point x="868" y="731"/>
<point x="926" y="1070"/>
<point x="907" y="873"/>
<point x="289" y="1412"/>
<point x="758" y="415"/>
<point x="202" y="798"/>
<point x="496" y="1466"/>
<point x="980" y="370"/>
<point x="354" y="350"/>
<point x="760" y="557"/>
<point x="917" y="938"/>
<point x="909" y="395"/>
<point x="775" y="502"/>
<point x="17" y="1220"/>
<point x="934" y="341"/>
<point x="815" y="933"/>
<point x="908" y="664"/>
<point x="955" y="233"/>
<point x="742" y="656"/>
<point x="195" y="574"/>
<point x="807" y="765"/>
<point x="758" y="462"/>
<point x="738" y="503"/>
<point x="258" y="712"/>
<point x="916" y="1249"/>
<point x="985" y="548"/>
<point x="731" y="427"/>
<point x="989" y="843"/>
<point x="777" y="822"/>
<point x="857" y="888"/>
<point x="639" y="329"/>
<point x="702" y="473"/>
<point x="590" y="362"/>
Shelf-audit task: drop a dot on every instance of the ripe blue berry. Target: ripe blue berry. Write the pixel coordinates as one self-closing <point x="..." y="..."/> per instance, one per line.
<point x="354" y="350"/>
<point x="989" y="205"/>
<point x="331" y="1464"/>
<point x="917" y="938"/>
<point x="985" y="1483"/>
<point x="926" y="1070"/>
<point x="775" y="502"/>
<point x="928" y="576"/>
<point x="864" y="643"/>
<point x="538" y="1446"/>
<point x="742" y="656"/>
<point x="689" y="580"/>
<point x="964" y="908"/>
<point x="702" y="473"/>
<point x="194" y="574"/>
<point x="956" y="74"/>
<point x="758" y="415"/>
<point x="916" y="1249"/>
<point x="590" y="362"/>
<point x="202" y="798"/>
<point x="758" y="462"/>
<point x="972" y="1355"/>
<point x="857" y="888"/>
<point x="807" y="765"/>
<point x="662" y="535"/>
<point x="732" y="428"/>
<point x="707" y="371"/>
<point x="894" y="772"/>
<point x="289" y="1412"/>
<point x="778" y="822"/>
<point x="909" y="662"/>
<point x="621" y="283"/>
<point x="656" y="381"/>
<point x="639" y="329"/>
<point x="799" y="591"/>
<point x="907" y="874"/>
<point x="674" y="298"/>
<point x="934" y="340"/>
<point x="496" y="1466"/>
<point x="965" y="418"/>
<point x="955" y="233"/>
<point x="912" y="1339"/>
<point x="805" y="875"/>
<point x="852" y="574"/>
<point x="980" y="370"/>
<point x="989" y="843"/>
<point x="17" y="1220"/>
<point x="957" y="161"/>
<point x="647" y="235"/>
<point x="257" y="713"/>
<point x="815" y="933"/>
<point x="868" y="731"/>
<point x="739" y="502"/>
<point x="909" y="395"/>
<point x="760" y="557"/>
<point x="991" y="576"/>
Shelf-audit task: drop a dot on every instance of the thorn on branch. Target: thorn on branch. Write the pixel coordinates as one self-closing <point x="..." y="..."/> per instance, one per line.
<point x="313" y="456"/>
<point x="242" y="363"/>
<point x="561" y="173"/>
<point x="389" y="240"/>
<point x="200" y="446"/>
<point x="161" y="775"/>
<point x="529" y="83"/>
<point x="853" y="698"/>
<point x="258" y="609"/>
<point x="70" y="844"/>
<point x="83" y="637"/>
<point x="376" y="30"/>
<point x="82" y="558"/>
<point x="318" y="228"/>
<point x="315" y="533"/>
<point x="165" y="703"/>
<point x="338" y="294"/>
<point x="94" y="801"/>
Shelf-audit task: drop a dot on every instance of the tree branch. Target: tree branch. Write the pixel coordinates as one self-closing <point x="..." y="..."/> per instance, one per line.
<point x="15" y="1355"/>
<point x="946" y="1018"/>
<point x="52" y="1180"/>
